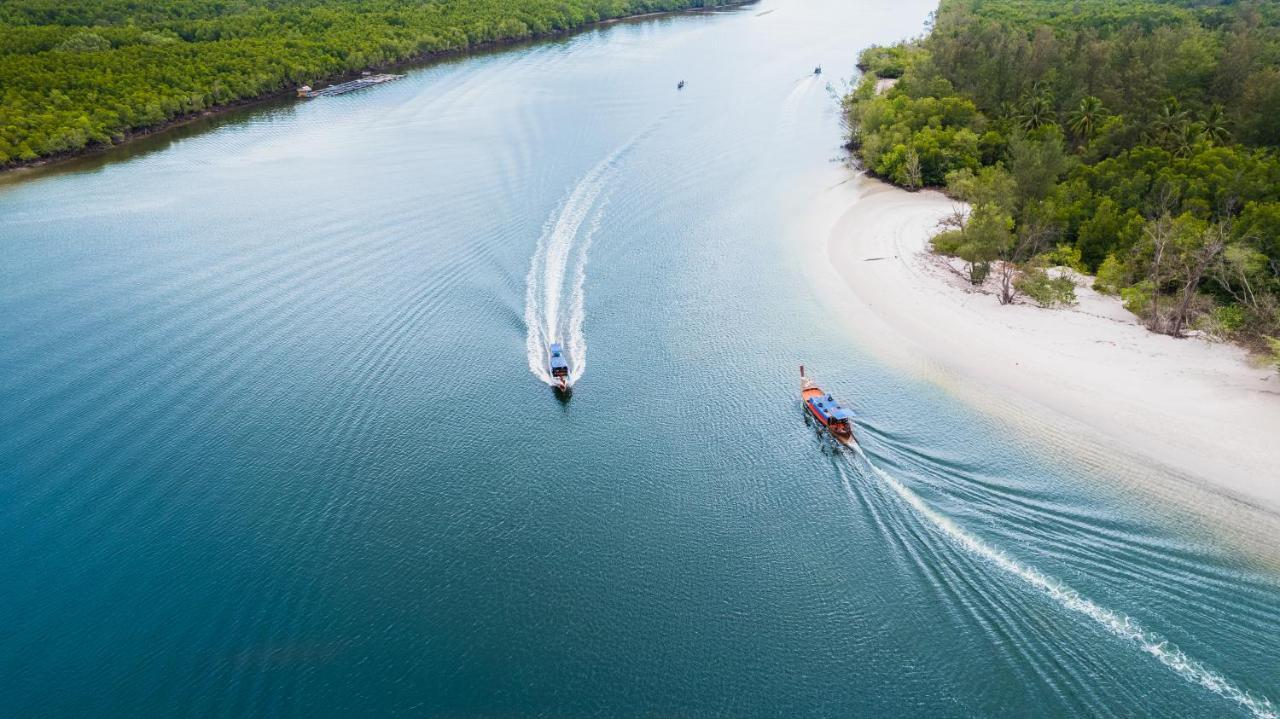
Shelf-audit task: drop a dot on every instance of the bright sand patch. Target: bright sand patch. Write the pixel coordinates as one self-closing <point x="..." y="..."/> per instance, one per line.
<point x="1192" y="421"/>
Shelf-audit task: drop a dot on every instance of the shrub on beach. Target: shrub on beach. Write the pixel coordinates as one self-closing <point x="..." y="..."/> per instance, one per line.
<point x="1137" y="298"/>
<point x="1222" y="322"/>
<point x="948" y="242"/>
<point x="1044" y="289"/>
<point x="1112" y="277"/>
<point x="1063" y="256"/>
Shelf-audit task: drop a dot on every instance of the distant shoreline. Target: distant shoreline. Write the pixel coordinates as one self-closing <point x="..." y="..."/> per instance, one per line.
<point x="289" y="94"/>
<point x="1089" y="381"/>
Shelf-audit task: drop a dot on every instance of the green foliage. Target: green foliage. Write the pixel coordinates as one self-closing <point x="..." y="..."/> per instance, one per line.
<point x="988" y="233"/>
<point x="1044" y="289"/>
<point x="986" y="236"/>
<point x="1090" y="118"/>
<point x="1113" y="276"/>
<point x="940" y="133"/>
<point x="1087" y="118"/>
<point x="1259" y="227"/>
<point x="84" y="42"/>
<point x="1037" y="112"/>
<point x="886" y="62"/>
<point x="1262" y="95"/>
<point x="1062" y="256"/>
<point x="1109" y="229"/>
<point x="947" y="243"/>
<point x="991" y="185"/>
<point x="74" y="74"/>
<point x="1137" y="298"/>
<point x="1037" y="160"/>
<point x="1274" y="345"/>
<point x="1224" y="321"/>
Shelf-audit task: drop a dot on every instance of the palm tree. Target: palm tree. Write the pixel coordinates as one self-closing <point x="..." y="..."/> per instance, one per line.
<point x="1037" y="112"/>
<point x="1084" y="120"/>
<point x="1215" y="126"/>
<point x="1007" y="111"/>
<point x="1184" y="140"/>
<point x="1170" y="120"/>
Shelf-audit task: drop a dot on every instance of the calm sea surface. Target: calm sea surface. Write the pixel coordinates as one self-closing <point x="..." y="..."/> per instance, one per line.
<point x="271" y="444"/>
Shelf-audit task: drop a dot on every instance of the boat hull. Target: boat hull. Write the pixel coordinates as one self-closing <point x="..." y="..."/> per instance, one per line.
<point x="841" y="433"/>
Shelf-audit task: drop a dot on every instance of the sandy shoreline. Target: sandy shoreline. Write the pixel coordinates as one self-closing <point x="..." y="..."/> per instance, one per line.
<point x="1088" y="380"/>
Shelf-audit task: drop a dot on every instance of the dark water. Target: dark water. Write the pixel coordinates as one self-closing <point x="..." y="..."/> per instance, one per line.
<point x="270" y="443"/>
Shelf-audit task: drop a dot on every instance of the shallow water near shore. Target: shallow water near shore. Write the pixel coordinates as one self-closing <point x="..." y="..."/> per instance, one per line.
<point x="271" y="442"/>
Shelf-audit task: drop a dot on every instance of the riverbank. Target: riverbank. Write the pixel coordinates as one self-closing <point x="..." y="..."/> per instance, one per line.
<point x="1088" y="377"/>
<point x="289" y="93"/>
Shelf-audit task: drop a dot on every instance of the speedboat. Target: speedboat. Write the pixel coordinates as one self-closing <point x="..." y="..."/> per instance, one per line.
<point x="828" y="413"/>
<point x="817" y="70"/>
<point x="558" y="366"/>
<point x="680" y="85"/>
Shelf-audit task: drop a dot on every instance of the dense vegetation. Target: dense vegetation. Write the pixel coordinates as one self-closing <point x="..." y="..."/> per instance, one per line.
<point x="75" y="74"/>
<point x="1134" y="139"/>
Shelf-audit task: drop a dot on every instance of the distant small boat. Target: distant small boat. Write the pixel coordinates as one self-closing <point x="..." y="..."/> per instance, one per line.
<point x="680" y="85"/>
<point x="824" y="408"/>
<point x="559" y="366"/>
<point x="817" y="70"/>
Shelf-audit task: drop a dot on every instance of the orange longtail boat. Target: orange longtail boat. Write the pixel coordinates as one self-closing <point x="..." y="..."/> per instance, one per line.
<point x="824" y="408"/>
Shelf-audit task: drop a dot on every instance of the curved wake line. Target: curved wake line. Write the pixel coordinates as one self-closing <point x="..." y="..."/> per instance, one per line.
<point x="578" y="302"/>
<point x="790" y="106"/>
<point x="1117" y="624"/>
<point x="545" y="285"/>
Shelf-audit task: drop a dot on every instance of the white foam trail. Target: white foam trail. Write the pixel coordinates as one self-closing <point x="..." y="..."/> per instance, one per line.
<point x="790" y="105"/>
<point x="534" y="344"/>
<point x="578" y="302"/>
<point x="545" y="283"/>
<point x="1115" y="623"/>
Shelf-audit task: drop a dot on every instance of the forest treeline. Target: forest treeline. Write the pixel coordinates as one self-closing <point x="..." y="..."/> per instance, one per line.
<point x="84" y="73"/>
<point x="1133" y="139"/>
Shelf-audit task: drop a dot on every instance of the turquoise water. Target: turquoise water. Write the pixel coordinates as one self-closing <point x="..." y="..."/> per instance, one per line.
<point x="271" y="444"/>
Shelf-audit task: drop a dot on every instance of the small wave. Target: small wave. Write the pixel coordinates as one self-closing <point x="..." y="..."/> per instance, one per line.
<point x="1113" y="622"/>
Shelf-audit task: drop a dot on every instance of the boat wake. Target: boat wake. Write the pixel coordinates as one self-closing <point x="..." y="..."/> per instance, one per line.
<point x="546" y="292"/>
<point x="555" y="297"/>
<point x="1113" y="622"/>
<point x="789" y="109"/>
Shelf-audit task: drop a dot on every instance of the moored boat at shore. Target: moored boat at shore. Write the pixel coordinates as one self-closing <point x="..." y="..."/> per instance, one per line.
<point x="826" y="411"/>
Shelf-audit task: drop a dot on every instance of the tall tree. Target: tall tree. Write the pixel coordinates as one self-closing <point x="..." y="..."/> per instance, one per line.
<point x="1086" y="118"/>
<point x="1214" y="125"/>
<point x="1037" y="112"/>
<point x="1196" y="253"/>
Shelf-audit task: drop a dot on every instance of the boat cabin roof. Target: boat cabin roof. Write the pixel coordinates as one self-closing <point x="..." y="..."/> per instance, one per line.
<point x="831" y="409"/>
<point x="557" y="358"/>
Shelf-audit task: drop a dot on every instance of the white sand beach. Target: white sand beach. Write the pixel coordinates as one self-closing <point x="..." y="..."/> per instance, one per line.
<point x="1087" y="380"/>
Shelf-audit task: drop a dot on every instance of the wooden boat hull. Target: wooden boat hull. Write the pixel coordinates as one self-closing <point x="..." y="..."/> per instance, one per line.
<point x="811" y="398"/>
